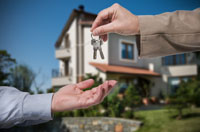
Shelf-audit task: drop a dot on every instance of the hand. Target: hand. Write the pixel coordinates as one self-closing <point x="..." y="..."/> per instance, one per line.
<point x="115" y="19"/>
<point x="72" y="97"/>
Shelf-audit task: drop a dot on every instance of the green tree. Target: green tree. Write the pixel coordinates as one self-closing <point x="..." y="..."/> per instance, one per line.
<point x="115" y="105"/>
<point x="22" y="78"/>
<point x="132" y="97"/>
<point x="186" y="95"/>
<point x="6" y="62"/>
<point x="131" y="100"/>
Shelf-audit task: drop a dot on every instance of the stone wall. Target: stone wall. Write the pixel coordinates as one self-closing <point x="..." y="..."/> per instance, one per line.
<point x="100" y="124"/>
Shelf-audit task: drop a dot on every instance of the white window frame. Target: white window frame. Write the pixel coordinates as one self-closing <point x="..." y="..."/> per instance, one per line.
<point x="135" y="53"/>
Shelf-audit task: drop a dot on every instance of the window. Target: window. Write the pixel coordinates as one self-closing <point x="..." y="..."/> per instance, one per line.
<point x="67" y="41"/>
<point x="174" y="60"/>
<point x="66" y="63"/>
<point x="127" y="51"/>
<point x="174" y="83"/>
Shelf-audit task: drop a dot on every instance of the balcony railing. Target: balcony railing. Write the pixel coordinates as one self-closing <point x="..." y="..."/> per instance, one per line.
<point x="56" y="73"/>
<point x="180" y="70"/>
<point x="60" y="79"/>
<point x="63" y="52"/>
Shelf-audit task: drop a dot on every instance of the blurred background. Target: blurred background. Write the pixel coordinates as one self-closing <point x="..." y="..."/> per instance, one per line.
<point x="45" y="45"/>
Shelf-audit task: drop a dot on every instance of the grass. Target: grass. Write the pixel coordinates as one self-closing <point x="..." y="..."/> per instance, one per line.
<point x="164" y="121"/>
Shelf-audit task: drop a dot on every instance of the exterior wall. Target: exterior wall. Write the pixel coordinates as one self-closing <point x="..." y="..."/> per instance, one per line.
<point x="153" y="64"/>
<point x="88" y="54"/>
<point x="114" y="49"/>
<point x="159" y="87"/>
<point x="115" y="54"/>
<point x="72" y="62"/>
<point x="72" y="40"/>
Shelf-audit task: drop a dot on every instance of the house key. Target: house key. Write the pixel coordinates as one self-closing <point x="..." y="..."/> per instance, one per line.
<point x="97" y="46"/>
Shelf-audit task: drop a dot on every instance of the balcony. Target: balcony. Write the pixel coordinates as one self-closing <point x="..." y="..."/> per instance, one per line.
<point x="62" y="52"/>
<point x="180" y="70"/>
<point x="58" y="79"/>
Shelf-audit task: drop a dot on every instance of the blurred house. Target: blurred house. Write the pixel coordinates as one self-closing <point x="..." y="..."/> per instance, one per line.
<point x="74" y="51"/>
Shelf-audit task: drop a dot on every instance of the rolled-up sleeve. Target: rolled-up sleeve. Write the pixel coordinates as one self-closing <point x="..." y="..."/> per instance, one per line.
<point x="21" y="108"/>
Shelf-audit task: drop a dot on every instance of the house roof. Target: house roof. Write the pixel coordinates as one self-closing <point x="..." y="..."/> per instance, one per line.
<point x="86" y="18"/>
<point x="123" y="69"/>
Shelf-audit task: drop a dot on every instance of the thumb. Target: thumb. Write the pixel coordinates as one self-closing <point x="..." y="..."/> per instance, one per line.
<point x="103" y="29"/>
<point x="85" y="84"/>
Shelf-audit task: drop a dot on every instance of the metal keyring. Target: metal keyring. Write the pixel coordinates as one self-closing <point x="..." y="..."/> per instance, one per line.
<point x="91" y="36"/>
<point x="95" y="39"/>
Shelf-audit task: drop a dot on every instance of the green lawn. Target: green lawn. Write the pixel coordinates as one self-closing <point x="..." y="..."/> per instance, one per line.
<point x="163" y="121"/>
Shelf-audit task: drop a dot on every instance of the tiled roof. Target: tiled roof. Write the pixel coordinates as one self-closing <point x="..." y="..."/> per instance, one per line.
<point x="123" y="69"/>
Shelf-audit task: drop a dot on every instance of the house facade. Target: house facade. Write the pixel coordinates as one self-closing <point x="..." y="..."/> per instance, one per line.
<point x="74" y="52"/>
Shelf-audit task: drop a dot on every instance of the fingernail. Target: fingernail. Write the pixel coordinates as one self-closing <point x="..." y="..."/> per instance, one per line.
<point x="94" y="33"/>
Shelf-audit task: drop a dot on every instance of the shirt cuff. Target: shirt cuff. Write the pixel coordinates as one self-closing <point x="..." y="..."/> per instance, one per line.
<point x="37" y="107"/>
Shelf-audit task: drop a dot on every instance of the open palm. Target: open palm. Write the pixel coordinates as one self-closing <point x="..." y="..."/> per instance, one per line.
<point x="72" y="97"/>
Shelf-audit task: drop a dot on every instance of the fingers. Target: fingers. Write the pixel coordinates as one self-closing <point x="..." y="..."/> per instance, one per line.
<point x="103" y="15"/>
<point x="85" y="84"/>
<point x="104" y="37"/>
<point x="105" y="89"/>
<point x="104" y="29"/>
<point x="107" y="86"/>
<point x="96" y="95"/>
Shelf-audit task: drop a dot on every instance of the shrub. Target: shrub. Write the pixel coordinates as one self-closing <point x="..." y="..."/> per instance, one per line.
<point x="132" y="97"/>
<point x="128" y="114"/>
<point x="186" y="95"/>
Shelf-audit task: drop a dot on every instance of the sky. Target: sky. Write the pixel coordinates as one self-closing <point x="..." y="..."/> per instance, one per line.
<point x="30" y="28"/>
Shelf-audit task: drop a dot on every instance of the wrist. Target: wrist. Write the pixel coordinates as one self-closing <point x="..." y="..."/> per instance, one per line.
<point x="53" y="104"/>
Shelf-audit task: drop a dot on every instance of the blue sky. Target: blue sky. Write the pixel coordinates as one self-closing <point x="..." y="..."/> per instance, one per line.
<point x="30" y="28"/>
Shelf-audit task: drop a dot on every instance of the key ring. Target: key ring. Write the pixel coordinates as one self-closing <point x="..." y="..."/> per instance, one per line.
<point x="91" y="36"/>
<point x="95" y="39"/>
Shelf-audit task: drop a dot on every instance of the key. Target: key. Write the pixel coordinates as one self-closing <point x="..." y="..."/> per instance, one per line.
<point x="101" y="53"/>
<point x="100" y="49"/>
<point x="97" y="46"/>
<point x="93" y="42"/>
<point x="94" y="53"/>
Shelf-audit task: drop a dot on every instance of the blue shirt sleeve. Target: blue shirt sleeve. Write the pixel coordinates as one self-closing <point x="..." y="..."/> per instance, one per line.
<point x="21" y="108"/>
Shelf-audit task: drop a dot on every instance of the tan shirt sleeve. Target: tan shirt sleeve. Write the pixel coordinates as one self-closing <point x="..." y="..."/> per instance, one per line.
<point x="169" y="33"/>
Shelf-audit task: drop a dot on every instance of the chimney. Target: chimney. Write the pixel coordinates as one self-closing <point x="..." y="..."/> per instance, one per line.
<point x="81" y="8"/>
<point x="151" y="66"/>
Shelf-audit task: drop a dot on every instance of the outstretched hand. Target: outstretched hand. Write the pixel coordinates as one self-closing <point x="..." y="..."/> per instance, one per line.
<point x="72" y="97"/>
<point x="115" y="19"/>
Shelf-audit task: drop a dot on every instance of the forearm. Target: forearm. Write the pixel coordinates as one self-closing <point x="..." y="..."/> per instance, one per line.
<point x="20" y="108"/>
<point x="169" y="33"/>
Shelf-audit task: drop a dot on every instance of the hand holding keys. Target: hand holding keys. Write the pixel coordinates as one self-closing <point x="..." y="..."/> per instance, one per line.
<point x="97" y="46"/>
